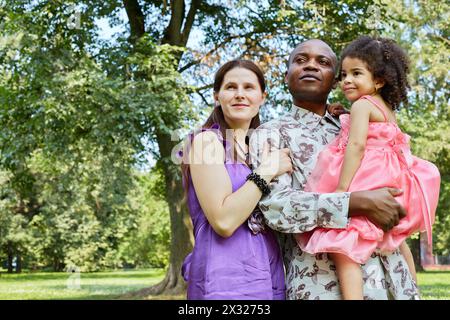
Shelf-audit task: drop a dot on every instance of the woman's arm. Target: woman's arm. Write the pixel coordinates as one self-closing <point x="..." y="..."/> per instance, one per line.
<point x="224" y="209"/>
<point x="359" y="125"/>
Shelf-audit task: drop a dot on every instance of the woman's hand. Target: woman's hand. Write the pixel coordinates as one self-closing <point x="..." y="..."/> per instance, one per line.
<point x="274" y="163"/>
<point x="336" y="109"/>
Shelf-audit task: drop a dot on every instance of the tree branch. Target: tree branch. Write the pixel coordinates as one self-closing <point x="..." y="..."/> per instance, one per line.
<point x="210" y="52"/>
<point x="172" y="34"/>
<point x="203" y="98"/>
<point x="189" y="21"/>
<point x="197" y="90"/>
<point x="439" y="37"/>
<point x="208" y="86"/>
<point x="135" y="18"/>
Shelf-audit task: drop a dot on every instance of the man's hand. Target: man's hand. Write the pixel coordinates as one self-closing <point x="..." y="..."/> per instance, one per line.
<point x="379" y="206"/>
<point x="336" y="109"/>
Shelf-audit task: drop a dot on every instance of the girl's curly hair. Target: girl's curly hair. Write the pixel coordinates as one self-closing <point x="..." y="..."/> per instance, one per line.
<point x="387" y="61"/>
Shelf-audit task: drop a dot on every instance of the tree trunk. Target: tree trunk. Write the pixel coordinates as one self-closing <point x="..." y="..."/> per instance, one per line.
<point x="19" y="263"/>
<point x="180" y="223"/>
<point x="10" y="258"/>
<point x="56" y="264"/>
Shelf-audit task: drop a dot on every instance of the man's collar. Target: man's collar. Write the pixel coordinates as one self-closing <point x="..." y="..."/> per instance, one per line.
<point x="311" y="118"/>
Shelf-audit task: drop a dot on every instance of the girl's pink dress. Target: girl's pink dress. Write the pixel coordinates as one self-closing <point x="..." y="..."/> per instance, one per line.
<point x="387" y="162"/>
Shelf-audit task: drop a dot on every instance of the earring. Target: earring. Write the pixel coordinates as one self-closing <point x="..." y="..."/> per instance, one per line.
<point x="217" y="104"/>
<point x="376" y="90"/>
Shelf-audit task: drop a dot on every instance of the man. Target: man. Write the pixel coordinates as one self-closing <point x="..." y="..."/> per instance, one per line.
<point x="306" y="130"/>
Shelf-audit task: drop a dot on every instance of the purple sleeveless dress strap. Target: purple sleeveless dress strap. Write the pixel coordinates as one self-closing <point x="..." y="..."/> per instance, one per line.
<point x="247" y="265"/>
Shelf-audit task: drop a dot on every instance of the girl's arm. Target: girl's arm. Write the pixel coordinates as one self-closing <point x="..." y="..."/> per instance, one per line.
<point x="406" y="252"/>
<point x="359" y="117"/>
<point x="227" y="210"/>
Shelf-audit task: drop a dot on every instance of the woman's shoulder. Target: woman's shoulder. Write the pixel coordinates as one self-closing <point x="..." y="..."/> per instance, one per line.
<point x="205" y="135"/>
<point x="206" y="139"/>
<point x="211" y="134"/>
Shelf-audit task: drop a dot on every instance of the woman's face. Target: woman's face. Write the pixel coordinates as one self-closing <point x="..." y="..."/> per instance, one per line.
<point x="240" y="96"/>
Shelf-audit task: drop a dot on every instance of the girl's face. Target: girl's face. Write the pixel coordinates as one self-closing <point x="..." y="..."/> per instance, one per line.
<point x="240" y="96"/>
<point x="357" y="80"/>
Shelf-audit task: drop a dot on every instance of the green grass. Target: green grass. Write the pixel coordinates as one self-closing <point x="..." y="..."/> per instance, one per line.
<point x="112" y="285"/>
<point x="92" y="286"/>
<point x="434" y="285"/>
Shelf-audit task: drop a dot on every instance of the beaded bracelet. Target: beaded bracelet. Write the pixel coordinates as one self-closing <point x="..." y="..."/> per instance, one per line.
<point x="260" y="182"/>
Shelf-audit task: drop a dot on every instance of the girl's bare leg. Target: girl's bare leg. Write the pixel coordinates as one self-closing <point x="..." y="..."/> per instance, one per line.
<point x="406" y="252"/>
<point x="350" y="277"/>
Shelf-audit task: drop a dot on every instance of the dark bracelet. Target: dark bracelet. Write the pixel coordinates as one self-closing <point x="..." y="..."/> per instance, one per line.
<point x="260" y="182"/>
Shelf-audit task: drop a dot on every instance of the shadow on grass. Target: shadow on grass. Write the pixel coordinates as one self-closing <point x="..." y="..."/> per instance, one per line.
<point x="121" y="297"/>
<point x="92" y="297"/>
<point x="437" y="285"/>
<point x="32" y="276"/>
<point x="105" y="285"/>
<point x="436" y="272"/>
<point x="88" y="275"/>
<point x="124" y="274"/>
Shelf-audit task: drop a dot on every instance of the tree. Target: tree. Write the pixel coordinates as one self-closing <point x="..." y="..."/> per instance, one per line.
<point x="88" y="119"/>
<point x="421" y="27"/>
<point x="148" y="244"/>
<point x="14" y="238"/>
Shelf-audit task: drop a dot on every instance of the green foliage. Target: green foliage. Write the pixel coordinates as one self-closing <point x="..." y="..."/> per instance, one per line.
<point x="71" y="135"/>
<point x="421" y="27"/>
<point x="430" y="140"/>
<point x="148" y="243"/>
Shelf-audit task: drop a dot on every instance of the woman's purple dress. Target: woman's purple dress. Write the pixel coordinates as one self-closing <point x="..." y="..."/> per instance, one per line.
<point x="244" y="266"/>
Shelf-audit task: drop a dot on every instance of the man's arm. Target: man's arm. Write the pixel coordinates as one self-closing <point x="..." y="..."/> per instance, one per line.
<point x="287" y="208"/>
<point x="379" y="206"/>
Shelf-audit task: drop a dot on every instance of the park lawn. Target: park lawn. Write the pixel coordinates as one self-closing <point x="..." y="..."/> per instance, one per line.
<point x="114" y="284"/>
<point x="434" y="285"/>
<point x="61" y="286"/>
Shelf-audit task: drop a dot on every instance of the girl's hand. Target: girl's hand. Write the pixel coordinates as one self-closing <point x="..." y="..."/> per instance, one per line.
<point x="274" y="163"/>
<point x="336" y="109"/>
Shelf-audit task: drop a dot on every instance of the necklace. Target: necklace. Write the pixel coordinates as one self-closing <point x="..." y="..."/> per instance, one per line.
<point x="241" y="149"/>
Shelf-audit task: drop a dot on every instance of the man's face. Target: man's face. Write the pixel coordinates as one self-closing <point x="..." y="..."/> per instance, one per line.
<point x="311" y="73"/>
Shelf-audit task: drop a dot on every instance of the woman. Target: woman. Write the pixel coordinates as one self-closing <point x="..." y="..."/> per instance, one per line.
<point x="234" y="256"/>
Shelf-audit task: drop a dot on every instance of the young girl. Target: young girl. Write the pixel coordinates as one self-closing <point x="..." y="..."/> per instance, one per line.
<point x="371" y="152"/>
